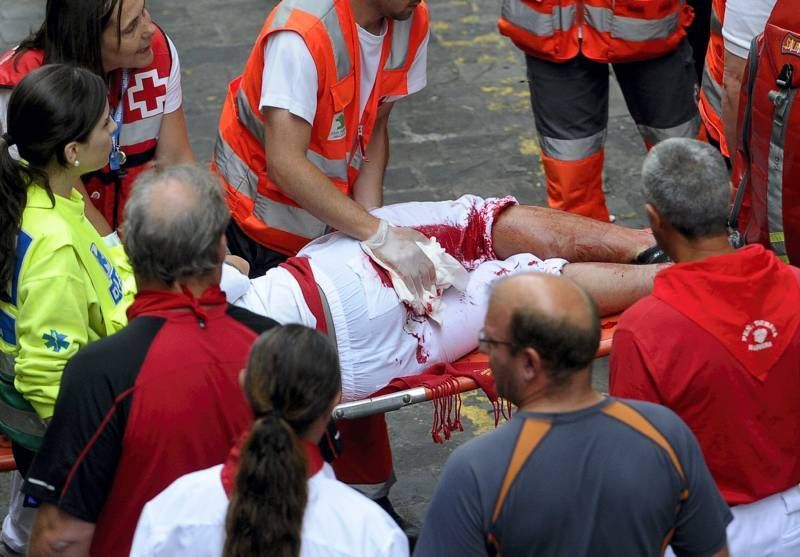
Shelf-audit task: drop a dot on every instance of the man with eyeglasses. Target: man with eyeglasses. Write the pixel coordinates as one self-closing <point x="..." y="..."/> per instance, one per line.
<point x="574" y="472"/>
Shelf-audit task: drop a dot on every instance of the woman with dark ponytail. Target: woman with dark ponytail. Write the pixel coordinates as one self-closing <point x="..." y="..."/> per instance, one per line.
<point x="274" y="495"/>
<point x="61" y="286"/>
<point x="118" y="41"/>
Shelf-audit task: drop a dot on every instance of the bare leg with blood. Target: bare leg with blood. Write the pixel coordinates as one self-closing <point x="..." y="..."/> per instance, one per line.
<point x="549" y="233"/>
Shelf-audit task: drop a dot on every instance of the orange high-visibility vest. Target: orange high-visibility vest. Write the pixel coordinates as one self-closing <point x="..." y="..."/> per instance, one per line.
<point x="338" y="136"/>
<point x="710" y="101"/>
<point x="602" y="30"/>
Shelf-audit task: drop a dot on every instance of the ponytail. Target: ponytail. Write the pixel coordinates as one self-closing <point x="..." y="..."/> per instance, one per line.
<point x="291" y="382"/>
<point x="265" y="516"/>
<point x="14" y="180"/>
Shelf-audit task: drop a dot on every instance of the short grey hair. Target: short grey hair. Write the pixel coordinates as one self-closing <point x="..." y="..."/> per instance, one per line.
<point x="688" y="182"/>
<point x="174" y="220"/>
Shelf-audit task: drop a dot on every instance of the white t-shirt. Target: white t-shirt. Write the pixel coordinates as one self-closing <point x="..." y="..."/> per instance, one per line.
<point x="744" y="19"/>
<point x="289" y="78"/>
<point x="188" y="518"/>
<point x="171" y="104"/>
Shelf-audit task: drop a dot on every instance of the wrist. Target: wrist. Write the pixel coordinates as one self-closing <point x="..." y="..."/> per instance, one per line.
<point x="378" y="237"/>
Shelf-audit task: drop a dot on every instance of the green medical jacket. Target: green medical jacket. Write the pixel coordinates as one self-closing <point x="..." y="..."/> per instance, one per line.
<point x="68" y="289"/>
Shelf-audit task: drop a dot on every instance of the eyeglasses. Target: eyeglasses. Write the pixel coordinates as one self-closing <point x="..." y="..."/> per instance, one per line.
<point x="485" y="342"/>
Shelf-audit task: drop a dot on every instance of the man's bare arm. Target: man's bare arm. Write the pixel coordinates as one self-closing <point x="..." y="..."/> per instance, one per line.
<point x="368" y="189"/>
<point x="173" y="140"/>
<point x="288" y="137"/>
<point x="56" y="533"/>
<point x="731" y="86"/>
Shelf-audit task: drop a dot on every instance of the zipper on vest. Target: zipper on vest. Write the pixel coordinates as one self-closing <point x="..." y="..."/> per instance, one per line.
<point x="361" y="143"/>
<point x="579" y="16"/>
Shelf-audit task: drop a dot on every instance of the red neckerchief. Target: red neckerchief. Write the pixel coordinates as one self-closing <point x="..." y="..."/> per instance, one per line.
<point x="231" y="467"/>
<point x="150" y="302"/>
<point x="747" y="300"/>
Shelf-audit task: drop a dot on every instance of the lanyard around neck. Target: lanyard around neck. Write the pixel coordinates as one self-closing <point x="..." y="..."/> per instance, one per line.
<point x="117" y="158"/>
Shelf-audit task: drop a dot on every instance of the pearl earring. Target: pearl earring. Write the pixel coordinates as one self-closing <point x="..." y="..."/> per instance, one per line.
<point x="77" y="163"/>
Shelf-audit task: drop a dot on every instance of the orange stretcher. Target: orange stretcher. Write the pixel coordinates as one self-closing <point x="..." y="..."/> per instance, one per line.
<point x="401" y="399"/>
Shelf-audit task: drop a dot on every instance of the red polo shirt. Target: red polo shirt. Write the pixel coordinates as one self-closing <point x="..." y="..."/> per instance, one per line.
<point x="718" y="342"/>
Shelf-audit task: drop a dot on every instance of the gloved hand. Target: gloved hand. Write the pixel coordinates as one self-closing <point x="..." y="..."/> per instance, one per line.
<point x="395" y="248"/>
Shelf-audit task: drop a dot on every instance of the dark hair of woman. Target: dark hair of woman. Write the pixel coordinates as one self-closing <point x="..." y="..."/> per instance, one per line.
<point x="72" y="32"/>
<point x="291" y="381"/>
<point x="51" y="107"/>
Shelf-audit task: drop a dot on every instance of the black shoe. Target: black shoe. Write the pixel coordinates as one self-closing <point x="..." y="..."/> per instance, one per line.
<point x="410" y="530"/>
<point x="653" y="254"/>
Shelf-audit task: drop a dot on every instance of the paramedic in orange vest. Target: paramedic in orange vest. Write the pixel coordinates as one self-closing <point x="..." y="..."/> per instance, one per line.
<point x="302" y="149"/>
<point x="568" y="45"/>
<point x="303" y="140"/>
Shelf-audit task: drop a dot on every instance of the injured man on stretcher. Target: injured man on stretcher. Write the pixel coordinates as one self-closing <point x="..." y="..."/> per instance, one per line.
<point x="378" y="336"/>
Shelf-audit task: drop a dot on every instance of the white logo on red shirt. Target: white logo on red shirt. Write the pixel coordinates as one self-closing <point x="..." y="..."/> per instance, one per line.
<point x="159" y="85"/>
<point x="758" y="335"/>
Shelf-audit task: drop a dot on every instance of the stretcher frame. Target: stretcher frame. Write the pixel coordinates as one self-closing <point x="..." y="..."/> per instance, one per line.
<point x="409" y="397"/>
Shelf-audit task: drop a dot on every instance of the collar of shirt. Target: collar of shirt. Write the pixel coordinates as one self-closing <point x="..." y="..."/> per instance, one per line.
<point x="151" y="302"/>
<point x="747" y="300"/>
<point x="230" y="468"/>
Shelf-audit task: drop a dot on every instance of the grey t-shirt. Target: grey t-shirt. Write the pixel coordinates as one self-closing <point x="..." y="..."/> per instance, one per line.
<point x="593" y="486"/>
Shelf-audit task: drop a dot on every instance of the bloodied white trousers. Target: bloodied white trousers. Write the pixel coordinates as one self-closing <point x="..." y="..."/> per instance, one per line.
<point x="377" y="336"/>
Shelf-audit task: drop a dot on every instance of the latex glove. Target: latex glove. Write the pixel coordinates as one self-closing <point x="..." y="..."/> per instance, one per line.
<point x="397" y="249"/>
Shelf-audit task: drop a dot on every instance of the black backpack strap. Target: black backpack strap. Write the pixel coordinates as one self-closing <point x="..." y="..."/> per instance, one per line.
<point x="737" y="239"/>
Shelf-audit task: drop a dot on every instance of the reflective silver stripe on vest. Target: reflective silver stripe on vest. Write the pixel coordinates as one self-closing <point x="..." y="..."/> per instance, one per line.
<point x="630" y="28"/>
<point x="401" y="37"/>
<point x="652" y="135"/>
<point x="572" y="149"/>
<point x="782" y="99"/>
<point x="288" y="218"/>
<point x="277" y="215"/>
<point x="133" y="133"/>
<point x="523" y="16"/>
<point x="333" y="168"/>
<point x="713" y="91"/>
<point x="357" y="160"/>
<point x="236" y="173"/>
<point x="247" y="118"/>
<point x="326" y="12"/>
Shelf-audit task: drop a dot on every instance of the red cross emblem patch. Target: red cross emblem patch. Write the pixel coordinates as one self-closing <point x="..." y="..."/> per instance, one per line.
<point x="148" y="99"/>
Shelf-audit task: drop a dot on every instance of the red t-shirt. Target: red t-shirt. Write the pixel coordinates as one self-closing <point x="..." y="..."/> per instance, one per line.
<point x="718" y="342"/>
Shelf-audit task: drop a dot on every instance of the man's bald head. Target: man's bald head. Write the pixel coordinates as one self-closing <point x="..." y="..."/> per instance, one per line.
<point x="174" y="223"/>
<point x="554" y="316"/>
